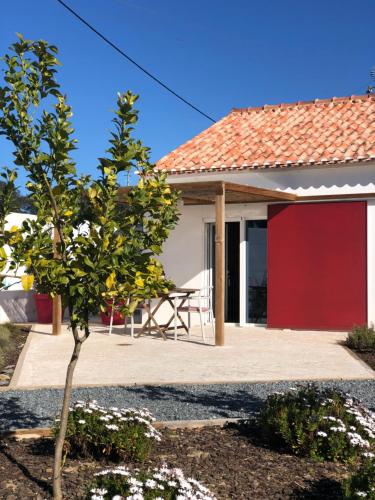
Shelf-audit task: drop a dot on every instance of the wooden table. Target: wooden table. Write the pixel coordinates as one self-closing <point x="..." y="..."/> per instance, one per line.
<point x="172" y="297"/>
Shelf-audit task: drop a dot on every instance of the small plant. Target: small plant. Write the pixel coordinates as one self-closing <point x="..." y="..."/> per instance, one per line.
<point x="161" y="484"/>
<point x="321" y="424"/>
<point x="8" y="333"/>
<point x="115" y="434"/>
<point x="361" y="338"/>
<point x="4" y="343"/>
<point x="362" y="483"/>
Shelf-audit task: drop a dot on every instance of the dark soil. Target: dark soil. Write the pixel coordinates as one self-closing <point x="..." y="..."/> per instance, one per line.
<point x="229" y="461"/>
<point x="366" y="356"/>
<point x="7" y="365"/>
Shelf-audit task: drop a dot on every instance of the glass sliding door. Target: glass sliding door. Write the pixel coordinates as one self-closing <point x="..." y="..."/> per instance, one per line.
<point x="232" y="267"/>
<point x="256" y="237"/>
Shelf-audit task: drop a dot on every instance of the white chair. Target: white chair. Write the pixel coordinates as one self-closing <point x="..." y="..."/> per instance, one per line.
<point x="126" y="321"/>
<point x="202" y="305"/>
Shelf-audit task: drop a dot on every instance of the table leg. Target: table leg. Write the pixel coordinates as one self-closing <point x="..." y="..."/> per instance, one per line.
<point x="183" y="324"/>
<point x="151" y="318"/>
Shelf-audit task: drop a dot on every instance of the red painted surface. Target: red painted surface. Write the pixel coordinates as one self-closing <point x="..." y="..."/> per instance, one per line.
<point x="317" y="265"/>
<point x="118" y="318"/>
<point x="44" y="307"/>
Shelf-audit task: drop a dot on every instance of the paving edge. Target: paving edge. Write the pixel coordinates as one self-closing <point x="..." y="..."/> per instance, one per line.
<point x="358" y="358"/>
<point x="40" y="432"/>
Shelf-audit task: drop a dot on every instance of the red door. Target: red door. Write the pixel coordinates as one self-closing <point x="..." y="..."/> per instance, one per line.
<point x="317" y="265"/>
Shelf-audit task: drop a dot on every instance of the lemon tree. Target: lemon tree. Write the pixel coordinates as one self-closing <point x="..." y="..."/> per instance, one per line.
<point x="106" y="249"/>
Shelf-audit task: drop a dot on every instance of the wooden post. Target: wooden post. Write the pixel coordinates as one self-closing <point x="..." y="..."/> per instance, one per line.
<point x="219" y="264"/>
<point x="56" y="311"/>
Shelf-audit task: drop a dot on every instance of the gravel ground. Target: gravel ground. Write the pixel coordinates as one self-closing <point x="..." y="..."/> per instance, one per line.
<point x="37" y="408"/>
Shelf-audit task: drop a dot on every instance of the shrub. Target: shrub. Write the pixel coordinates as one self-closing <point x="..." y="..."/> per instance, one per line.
<point x="361" y="338"/>
<point x="161" y="484"/>
<point x="116" y="434"/>
<point x="5" y="342"/>
<point x="362" y="483"/>
<point x="321" y="424"/>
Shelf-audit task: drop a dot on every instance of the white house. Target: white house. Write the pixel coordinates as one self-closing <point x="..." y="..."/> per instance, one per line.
<point x="298" y="183"/>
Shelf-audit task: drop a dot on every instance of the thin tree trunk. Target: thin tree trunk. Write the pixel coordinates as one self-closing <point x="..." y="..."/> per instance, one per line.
<point x="57" y="466"/>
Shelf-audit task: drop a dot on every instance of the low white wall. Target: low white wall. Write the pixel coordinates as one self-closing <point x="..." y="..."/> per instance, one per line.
<point x="17" y="306"/>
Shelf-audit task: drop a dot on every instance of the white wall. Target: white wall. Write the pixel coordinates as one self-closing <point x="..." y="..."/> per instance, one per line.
<point x="184" y="252"/>
<point x="17" y="306"/>
<point x="332" y="179"/>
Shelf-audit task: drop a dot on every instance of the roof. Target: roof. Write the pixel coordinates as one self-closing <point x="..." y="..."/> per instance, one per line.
<point x="324" y="131"/>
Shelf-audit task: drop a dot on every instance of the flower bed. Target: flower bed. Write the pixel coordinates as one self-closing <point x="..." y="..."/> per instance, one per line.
<point x="362" y="483"/>
<point x="322" y="424"/>
<point x="116" y="434"/>
<point x="229" y="461"/>
<point x="160" y="484"/>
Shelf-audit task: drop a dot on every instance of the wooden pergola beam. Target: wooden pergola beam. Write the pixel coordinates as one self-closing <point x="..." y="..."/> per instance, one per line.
<point x="219" y="264"/>
<point x="262" y="192"/>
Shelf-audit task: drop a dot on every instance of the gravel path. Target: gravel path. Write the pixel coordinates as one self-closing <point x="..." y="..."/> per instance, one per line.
<point x="37" y="408"/>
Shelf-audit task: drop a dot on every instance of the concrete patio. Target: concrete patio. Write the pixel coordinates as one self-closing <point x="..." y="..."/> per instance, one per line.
<point x="251" y="354"/>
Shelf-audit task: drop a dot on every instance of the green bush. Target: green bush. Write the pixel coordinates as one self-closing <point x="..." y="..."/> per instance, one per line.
<point x="5" y="342"/>
<point x="115" y="434"/>
<point x="164" y="484"/>
<point x="361" y="338"/>
<point x="362" y="483"/>
<point x="321" y="424"/>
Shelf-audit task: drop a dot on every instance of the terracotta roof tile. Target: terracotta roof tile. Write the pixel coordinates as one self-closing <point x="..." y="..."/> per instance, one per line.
<point x="304" y="133"/>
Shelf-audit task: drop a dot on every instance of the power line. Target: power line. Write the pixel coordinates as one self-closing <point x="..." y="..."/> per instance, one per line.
<point x="105" y="39"/>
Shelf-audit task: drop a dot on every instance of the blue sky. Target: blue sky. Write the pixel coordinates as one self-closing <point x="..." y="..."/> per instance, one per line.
<point x="217" y="54"/>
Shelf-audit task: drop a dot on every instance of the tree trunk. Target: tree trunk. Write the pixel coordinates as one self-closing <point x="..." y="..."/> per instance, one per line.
<point x="57" y="466"/>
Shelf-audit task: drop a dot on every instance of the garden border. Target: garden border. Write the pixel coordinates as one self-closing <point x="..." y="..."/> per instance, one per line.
<point x="41" y="432"/>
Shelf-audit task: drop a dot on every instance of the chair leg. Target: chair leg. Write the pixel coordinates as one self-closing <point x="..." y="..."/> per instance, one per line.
<point x="111" y="320"/>
<point x="202" y="326"/>
<point x="189" y="324"/>
<point x="132" y="326"/>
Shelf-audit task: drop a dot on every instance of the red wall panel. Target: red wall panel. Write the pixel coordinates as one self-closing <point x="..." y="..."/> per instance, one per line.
<point x="317" y="265"/>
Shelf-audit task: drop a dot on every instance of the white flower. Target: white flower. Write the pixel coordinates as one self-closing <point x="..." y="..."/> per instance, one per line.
<point x="112" y="427"/>
<point x="361" y="494"/>
<point x="150" y="483"/>
<point x="99" y="491"/>
<point x="322" y="434"/>
<point x="81" y="421"/>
